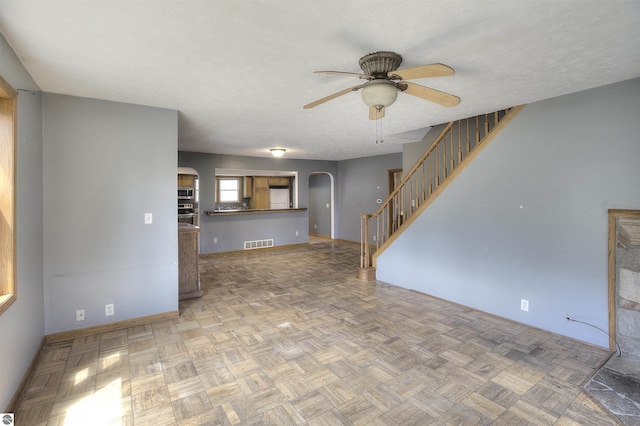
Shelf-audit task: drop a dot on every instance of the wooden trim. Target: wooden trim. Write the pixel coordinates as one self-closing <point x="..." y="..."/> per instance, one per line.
<point x="6" y="91"/>
<point x="611" y="249"/>
<point x="104" y="328"/>
<point x="426" y="203"/>
<point x="613" y="215"/>
<point x="26" y="378"/>
<point x="8" y="153"/>
<point x="391" y="181"/>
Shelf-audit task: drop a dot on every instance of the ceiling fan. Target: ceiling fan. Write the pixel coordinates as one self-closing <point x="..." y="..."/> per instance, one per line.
<point x="385" y="80"/>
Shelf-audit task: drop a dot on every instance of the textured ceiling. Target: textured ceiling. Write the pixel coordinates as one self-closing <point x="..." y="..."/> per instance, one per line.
<point x="239" y="71"/>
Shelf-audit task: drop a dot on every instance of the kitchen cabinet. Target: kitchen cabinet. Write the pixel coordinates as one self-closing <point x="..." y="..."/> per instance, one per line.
<point x="186" y="180"/>
<point x="279" y="181"/>
<point x="247" y="187"/>
<point x="260" y="199"/>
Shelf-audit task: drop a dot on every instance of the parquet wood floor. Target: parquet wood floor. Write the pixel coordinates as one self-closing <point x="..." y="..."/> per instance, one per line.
<point x="291" y="337"/>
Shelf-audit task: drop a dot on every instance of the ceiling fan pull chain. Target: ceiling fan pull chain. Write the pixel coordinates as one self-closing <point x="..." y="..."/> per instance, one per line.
<point x="379" y="140"/>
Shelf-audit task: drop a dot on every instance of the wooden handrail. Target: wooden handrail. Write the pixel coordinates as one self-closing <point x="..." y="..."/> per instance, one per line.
<point x="445" y="158"/>
<point x="414" y="168"/>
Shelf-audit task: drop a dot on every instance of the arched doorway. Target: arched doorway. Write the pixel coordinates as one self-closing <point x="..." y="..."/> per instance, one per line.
<point x="321" y="205"/>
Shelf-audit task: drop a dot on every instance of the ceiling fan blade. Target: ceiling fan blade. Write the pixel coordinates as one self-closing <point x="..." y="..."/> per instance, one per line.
<point x="423" y="71"/>
<point x="374" y="114"/>
<point x="333" y="96"/>
<point x="349" y="74"/>
<point x="429" y="94"/>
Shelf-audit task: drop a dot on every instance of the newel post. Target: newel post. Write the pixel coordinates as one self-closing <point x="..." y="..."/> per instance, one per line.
<point x="366" y="272"/>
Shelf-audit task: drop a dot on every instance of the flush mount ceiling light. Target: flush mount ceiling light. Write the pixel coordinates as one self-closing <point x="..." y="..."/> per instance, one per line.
<point x="278" y="152"/>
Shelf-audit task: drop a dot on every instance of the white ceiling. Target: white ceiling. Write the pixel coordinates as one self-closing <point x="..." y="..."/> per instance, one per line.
<point x="239" y="71"/>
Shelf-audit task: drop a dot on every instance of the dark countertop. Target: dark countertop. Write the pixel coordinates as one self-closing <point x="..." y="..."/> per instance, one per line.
<point x="250" y="211"/>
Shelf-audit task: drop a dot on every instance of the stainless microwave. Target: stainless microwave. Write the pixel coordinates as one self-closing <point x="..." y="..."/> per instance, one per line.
<point x="185" y="192"/>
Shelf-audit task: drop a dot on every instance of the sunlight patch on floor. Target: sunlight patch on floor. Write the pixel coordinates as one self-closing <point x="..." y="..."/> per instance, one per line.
<point x="102" y="408"/>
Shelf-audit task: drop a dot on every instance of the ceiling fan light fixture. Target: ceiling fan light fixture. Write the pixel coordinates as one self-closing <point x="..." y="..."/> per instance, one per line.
<point x="379" y="93"/>
<point x="277" y="152"/>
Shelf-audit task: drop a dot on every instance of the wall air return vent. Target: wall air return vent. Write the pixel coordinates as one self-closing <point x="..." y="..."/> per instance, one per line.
<point x="250" y="245"/>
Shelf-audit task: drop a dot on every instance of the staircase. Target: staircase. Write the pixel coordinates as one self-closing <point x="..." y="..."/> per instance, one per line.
<point x="450" y="152"/>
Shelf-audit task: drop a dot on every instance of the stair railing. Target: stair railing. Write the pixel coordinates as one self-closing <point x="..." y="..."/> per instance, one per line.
<point x="451" y="150"/>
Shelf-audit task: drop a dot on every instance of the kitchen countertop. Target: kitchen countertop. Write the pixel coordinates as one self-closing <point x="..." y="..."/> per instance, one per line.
<point x="187" y="227"/>
<point x="250" y="211"/>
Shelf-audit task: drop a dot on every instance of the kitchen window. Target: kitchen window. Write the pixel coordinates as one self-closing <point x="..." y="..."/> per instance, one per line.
<point x="7" y="195"/>
<point x="228" y="190"/>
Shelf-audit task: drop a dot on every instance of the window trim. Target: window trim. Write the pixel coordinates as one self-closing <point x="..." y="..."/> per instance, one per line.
<point x="236" y="178"/>
<point x="8" y="148"/>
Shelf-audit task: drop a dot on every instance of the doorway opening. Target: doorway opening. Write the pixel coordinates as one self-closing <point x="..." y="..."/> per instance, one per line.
<point x="395" y="177"/>
<point x="321" y="206"/>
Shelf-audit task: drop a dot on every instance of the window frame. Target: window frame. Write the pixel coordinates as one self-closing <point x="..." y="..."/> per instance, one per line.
<point x="8" y="148"/>
<point x="238" y="180"/>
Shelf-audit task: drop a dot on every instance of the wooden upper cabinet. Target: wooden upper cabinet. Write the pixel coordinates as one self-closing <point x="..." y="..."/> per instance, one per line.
<point x="186" y="180"/>
<point x="260" y="199"/>
<point x="247" y="187"/>
<point x="279" y="181"/>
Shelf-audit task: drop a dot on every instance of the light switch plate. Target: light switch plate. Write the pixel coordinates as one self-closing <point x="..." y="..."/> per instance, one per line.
<point x="148" y="218"/>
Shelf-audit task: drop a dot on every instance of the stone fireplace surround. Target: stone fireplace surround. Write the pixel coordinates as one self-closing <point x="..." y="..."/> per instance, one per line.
<point x="617" y="384"/>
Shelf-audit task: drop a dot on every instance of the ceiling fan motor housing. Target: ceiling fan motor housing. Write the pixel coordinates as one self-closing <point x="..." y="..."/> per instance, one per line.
<point x="378" y="64"/>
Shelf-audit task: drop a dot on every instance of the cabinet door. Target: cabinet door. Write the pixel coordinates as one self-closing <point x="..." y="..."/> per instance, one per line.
<point x="247" y="187"/>
<point x="185" y="180"/>
<point x="279" y="181"/>
<point x="260" y="192"/>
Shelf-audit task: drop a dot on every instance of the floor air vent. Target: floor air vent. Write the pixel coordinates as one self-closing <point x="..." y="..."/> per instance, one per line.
<point x="250" y="245"/>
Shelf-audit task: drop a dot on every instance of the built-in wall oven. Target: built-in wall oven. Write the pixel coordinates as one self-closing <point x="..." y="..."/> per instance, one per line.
<point x="187" y="205"/>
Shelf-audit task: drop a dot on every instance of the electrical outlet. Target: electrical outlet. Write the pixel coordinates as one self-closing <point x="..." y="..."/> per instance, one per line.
<point x="148" y="218"/>
<point x="315" y="226"/>
<point x="524" y="304"/>
<point x="108" y="310"/>
<point x="80" y="315"/>
<point x="215" y="240"/>
<point x="374" y="238"/>
<point x="297" y="233"/>
<point x="327" y="205"/>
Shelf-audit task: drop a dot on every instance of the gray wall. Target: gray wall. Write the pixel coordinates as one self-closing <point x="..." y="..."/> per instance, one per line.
<point x="22" y="325"/>
<point x="232" y="231"/>
<point x="106" y="164"/>
<point x="527" y="219"/>
<point x="361" y="182"/>
<point x="319" y="198"/>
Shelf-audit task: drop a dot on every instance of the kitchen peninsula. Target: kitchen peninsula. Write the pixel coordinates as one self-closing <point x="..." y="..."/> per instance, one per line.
<point x="188" y="270"/>
<point x="226" y="212"/>
<point x="228" y="229"/>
